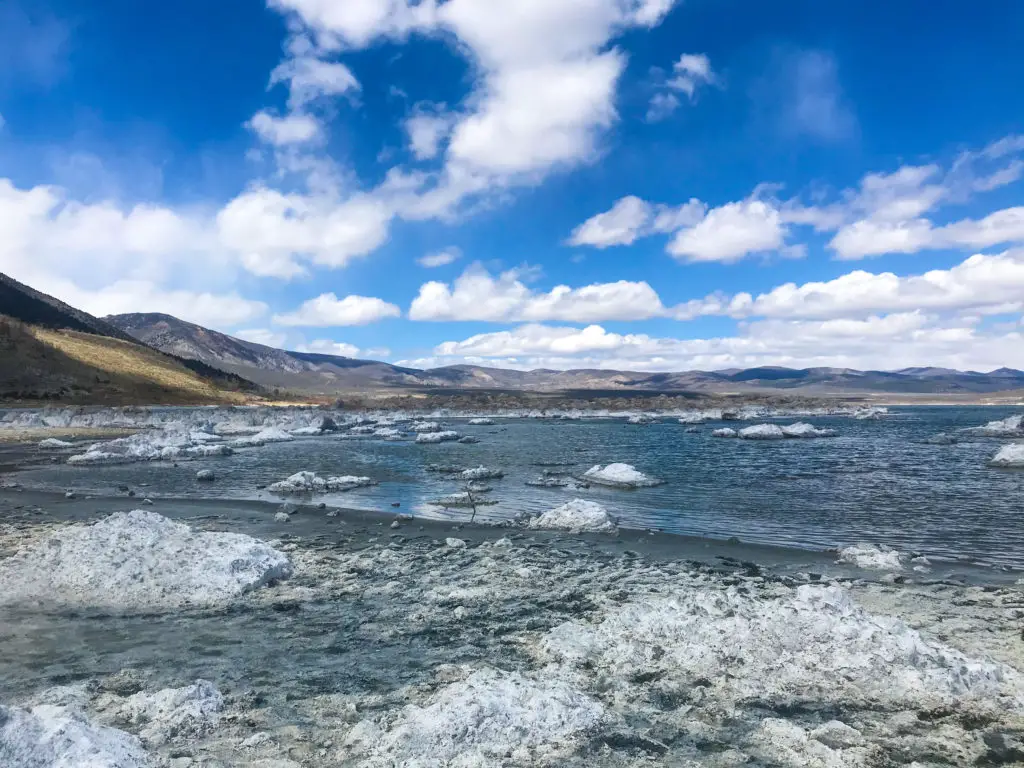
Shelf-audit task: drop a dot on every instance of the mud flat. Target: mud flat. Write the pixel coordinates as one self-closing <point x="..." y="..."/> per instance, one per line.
<point x="430" y="644"/>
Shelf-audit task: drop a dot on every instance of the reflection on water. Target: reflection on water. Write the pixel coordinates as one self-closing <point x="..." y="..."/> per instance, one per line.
<point x="877" y="481"/>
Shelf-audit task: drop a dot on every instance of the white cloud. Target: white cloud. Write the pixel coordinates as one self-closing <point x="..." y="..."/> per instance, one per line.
<point x="661" y="107"/>
<point x="264" y="336"/>
<point x="476" y="295"/>
<point x="427" y="132"/>
<point x="731" y="232"/>
<point x="328" y="310"/>
<point x="691" y="71"/>
<point x="281" y="131"/>
<point x="330" y="347"/>
<point x="440" y="258"/>
<point x="271" y="229"/>
<point x="619" y="226"/>
<point x="878" y="342"/>
<point x="980" y="284"/>
<point x="310" y="78"/>
<point x="814" y="104"/>
<point x="631" y="218"/>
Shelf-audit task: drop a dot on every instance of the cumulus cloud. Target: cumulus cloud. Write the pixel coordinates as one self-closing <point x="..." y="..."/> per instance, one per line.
<point x="328" y="310"/>
<point x="427" y="131"/>
<point x="689" y="73"/>
<point x="439" y="258"/>
<point x="631" y="218"/>
<point x="330" y="347"/>
<point x="875" y="342"/>
<point x="309" y="78"/>
<point x="813" y="102"/>
<point x="477" y="295"/>
<point x="731" y="232"/>
<point x="264" y="336"/>
<point x="980" y="284"/>
<point x="282" y="131"/>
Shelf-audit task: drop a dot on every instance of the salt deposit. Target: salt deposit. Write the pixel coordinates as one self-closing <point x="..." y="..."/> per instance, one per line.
<point x="388" y="433"/>
<point x="724" y="432"/>
<point x="804" y="430"/>
<point x="481" y="422"/>
<point x="52" y="442"/>
<point x="871" y="557"/>
<point x="490" y="718"/>
<point x="641" y="418"/>
<point x="762" y="432"/>
<point x="465" y="499"/>
<point x="1011" y="455"/>
<point x="423" y="427"/>
<point x="812" y="644"/>
<point x="437" y="437"/>
<point x="206" y="475"/>
<point x="310" y="482"/>
<point x="176" y="713"/>
<point x="576" y="516"/>
<point x="619" y="476"/>
<point x="138" y="561"/>
<point x="50" y="736"/>
<point x="261" y="438"/>
<point x="481" y="473"/>
<point x="1011" y="426"/>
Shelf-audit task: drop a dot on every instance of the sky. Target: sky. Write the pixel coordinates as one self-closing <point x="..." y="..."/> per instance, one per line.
<point x="649" y="185"/>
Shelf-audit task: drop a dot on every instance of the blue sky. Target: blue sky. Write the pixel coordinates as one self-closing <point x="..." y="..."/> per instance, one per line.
<point x="638" y="184"/>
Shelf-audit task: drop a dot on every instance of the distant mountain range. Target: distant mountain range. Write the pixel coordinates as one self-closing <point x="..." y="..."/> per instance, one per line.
<point x="315" y="373"/>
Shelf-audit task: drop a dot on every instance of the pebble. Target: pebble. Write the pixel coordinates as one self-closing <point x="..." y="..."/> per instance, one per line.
<point x="69" y="495"/>
<point x="395" y="524"/>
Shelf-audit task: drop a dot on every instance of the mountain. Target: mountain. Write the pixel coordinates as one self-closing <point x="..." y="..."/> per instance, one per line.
<point x="270" y="367"/>
<point x="309" y="372"/>
<point x="52" y="351"/>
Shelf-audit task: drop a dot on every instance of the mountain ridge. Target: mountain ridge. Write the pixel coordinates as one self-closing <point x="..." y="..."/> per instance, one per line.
<point x="321" y="373"/>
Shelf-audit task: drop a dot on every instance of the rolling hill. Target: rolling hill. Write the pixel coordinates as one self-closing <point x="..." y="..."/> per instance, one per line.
<point x="50" y="351"/>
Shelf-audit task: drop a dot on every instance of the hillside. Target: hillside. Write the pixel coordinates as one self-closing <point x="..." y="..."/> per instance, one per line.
<point x="330" y="374"/>
<point x="52" y="351"/>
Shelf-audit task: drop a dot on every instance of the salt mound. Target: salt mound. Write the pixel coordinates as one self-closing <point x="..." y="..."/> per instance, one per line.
<point x="437" y="437"/>
<point x="310" y="482"/>
<point x="422" y="427"/>
<point x="724" y="432"/>
<point x="174" y="712"/>
<point x="762" y="432"/>
<point x="491" y="718"/>
<point x="52" y="442"/>
<point x="1011" y="455"/>
<point x="482" y="422"/>
<point x="619" y="476"/>
<point x="872" y="557"/>
<point x="139" y="561"/>
<point x="481" y="473"/>
<point x="576" y="516"/>
<point x="53" y="737"/>
<point x="1008" y="427"/>
<point x="264" y="436"/>
<point x="388" y="433"/>
<point x="805" y="430"/>
<point x="641" y="418"/>
<point x="812" y="644"/>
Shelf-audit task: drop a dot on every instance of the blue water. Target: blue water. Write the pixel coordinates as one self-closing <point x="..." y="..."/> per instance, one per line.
<point x="875" y="482"/>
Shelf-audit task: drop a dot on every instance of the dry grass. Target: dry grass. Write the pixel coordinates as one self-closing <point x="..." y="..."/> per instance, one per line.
<point x="119" y="358"/>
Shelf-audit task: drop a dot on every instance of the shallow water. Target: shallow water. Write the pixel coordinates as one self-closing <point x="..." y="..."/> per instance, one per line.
<point x="877" y="481"/>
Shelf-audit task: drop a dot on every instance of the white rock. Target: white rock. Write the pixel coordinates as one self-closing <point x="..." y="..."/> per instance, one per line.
<point x="282" y="517"/>
<point x="310" y="482"/>
<point x="724" y="432"/>
<point x="1011" y="455"/>
<point x="641" y="418"/>
<point x="53" y="737"/>
<point x="576" y="516"/>
<point x="619" y="476"/>
<point x="206" y="475"/>
<point x="813" y="643"/>
<point x="481" y="422"/>
<point x="455" y="543"/>
<point x="437" y="437"/>
<point x="423" y="427"/>
<point x="178" y="713"/>
<point x="481" y="721"/>
<point x="52" y="442"/>
<point x="805" y="430"/>
<point x="481" y="473"/>
<point x="871" y="557"/>
<point x="762" y="432"/>
<point x="139" y="561"/>
<point x="306" y="431"/>
<point x="264" y="436"/>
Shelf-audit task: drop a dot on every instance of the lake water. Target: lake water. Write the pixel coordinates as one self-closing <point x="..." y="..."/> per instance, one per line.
<point x="877" y="481"/>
